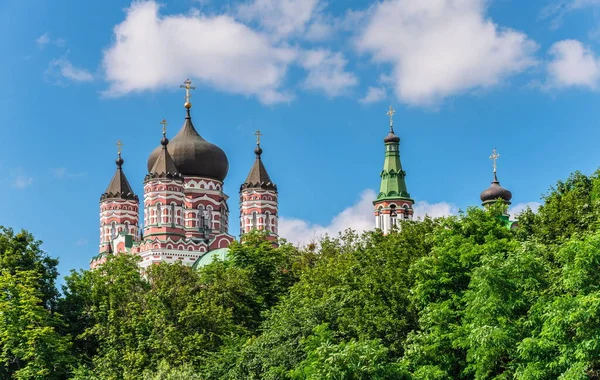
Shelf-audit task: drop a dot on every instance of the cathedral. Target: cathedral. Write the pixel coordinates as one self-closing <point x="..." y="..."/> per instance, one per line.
<point x="186" y="213"/>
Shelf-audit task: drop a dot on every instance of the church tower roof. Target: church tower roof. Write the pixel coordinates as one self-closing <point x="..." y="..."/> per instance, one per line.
<point x="164" y="167"/>
<point x="258" y="176"/>
<point x="393" y="185"/>
<point x="119" y="187"/>
<point x="495" y="191"/>
<point x="190" y="152"/>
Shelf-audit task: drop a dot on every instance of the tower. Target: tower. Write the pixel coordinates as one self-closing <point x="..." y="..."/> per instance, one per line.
<point x="119" y="213"/>
<point x="204" y="167"/>
<point x="163" y="198"/>
<point x="495" y="192"/>
<point x="258" y="199"/>
<point x="393" y="201"/>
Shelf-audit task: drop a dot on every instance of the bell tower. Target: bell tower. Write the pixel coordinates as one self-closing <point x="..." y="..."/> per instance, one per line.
<point x="119" y="212"/>
<point x="393" y="202"/>
<point x="258" y="199"/>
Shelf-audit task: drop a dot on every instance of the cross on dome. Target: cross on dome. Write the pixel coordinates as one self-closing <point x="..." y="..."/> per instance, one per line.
<point x="187" y="84"/>
<point x="258" y="135"/>
<point x="391" y="114"/>
<point x="119" y="147"/>
<point x="164" y="126"/>
<point x="494" y="157"/>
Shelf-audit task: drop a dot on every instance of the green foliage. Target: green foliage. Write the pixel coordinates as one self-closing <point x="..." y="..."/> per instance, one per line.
<point x="353" y="360"/>
<point x="359" y="286"/>
<point x="571" y="208"/>
<point x="31" y="343"/>
<point x="462" y="297"/>
<point x="31" y="346"/>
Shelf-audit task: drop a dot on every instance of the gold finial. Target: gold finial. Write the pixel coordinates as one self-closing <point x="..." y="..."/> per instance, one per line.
<point x="494" y="157"/>
<point x="164" y="123"/>
<point x="187" y="84"/>
<point x="258" y="135"/>
<point x="391" y="114"/>
<point x="119" y="147"/>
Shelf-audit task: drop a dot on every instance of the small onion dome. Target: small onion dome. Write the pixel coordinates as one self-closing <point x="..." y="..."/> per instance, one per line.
<point x="391" y="137"/>
<point x="192" y="155"/>
<point x="495" y="191"/>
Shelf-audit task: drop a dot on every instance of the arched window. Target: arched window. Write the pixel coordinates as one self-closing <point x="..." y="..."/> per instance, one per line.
<point x="113" y="230"/>
<point x="393" y="215"/>
<point x="209" y="217"/>
<point x="127" y="228"/>
<point x="159" y="213"/>
<point x="406" y="214"/>
<point x="201" y="217"/>
<point x="254" y="220"/>
<point x="173" y="214"/>
<point x="267" y="221"/>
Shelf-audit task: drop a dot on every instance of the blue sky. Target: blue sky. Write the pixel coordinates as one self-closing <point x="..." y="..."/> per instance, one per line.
<point x="316" y="77"/>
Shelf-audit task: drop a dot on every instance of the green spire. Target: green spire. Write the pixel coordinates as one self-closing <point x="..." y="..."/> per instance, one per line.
<point x="393" y="185"/>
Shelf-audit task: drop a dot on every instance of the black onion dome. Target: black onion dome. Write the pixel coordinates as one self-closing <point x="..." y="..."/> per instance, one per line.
<point x="391" y="137"/>
<point x="495" y="191"/>
<point x="192" y="155"/>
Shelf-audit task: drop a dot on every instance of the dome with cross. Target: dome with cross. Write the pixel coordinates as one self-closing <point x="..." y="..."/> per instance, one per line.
<point x="192" y="154"/>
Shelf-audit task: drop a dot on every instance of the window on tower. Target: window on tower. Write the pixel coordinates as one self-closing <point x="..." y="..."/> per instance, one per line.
<point x="254" y="220"/>
<point x="159" y="213"/>
<point x="200" y="222"/>
<point x="393" y="215"/>
<point x="173" y="214"/>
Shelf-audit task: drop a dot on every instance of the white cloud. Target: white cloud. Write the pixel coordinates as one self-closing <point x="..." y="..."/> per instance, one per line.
<point x="433" y="210"/>
<point x="358" y="217"/>
<point x="374" y="95"/>
<point x="43" y="40"/>
<point x="281" y="18"/>
<point x="442" y="48"/>
<point x="556" y="10"/>
<point x="152" y="51"/>
<point x="62" y="68"/>
<point x="573" y="64"/>
<point x="515" y="210"/>
<point x="22" y="181"/>
<point x="327" y="72"/>
<point x="64" y="173"/>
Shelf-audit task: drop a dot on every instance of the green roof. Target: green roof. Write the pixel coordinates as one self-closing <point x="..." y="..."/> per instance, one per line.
<point x="219" y="254"/>
<point x="393" y="185"/>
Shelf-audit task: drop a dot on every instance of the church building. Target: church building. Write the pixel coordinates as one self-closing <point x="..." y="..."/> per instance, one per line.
<point x="185" y="211"/>
<point x="394" y="204"/>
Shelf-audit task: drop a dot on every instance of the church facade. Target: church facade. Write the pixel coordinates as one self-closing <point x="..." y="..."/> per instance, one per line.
<point x="186" y="214"/>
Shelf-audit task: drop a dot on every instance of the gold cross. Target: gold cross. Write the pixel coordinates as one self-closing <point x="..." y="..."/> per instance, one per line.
<point x="391" y="114"/>
<point x="257" y="134"/>
<point x="119" y="146"/>
<point x="494" y="157"/>
<point x="188" y="86"/>
<point x="164" y="128"/>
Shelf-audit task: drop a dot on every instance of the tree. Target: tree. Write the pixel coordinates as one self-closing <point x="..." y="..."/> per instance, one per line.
<point x="31" y="345"/>
<point x="358" y="286"/>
